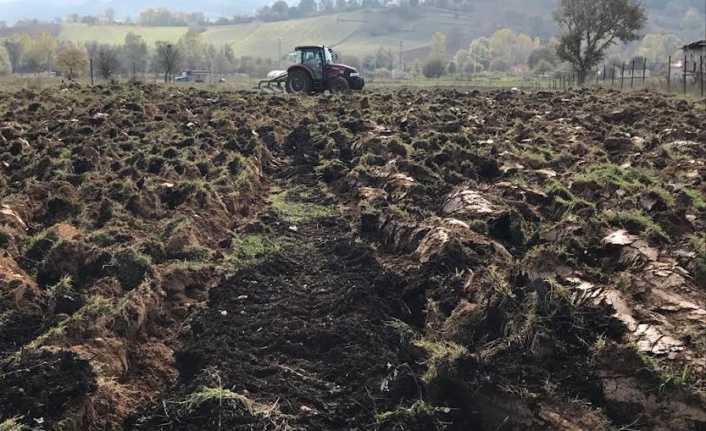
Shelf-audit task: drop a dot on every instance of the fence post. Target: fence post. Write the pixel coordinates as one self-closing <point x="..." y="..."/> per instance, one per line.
<point x="604" y="72"/>
<point x="622" y="76"/>
<point x="612" y="78"/>
<point x="684" y="67"/>
<point x="91" y="65"/>
<point x="644" y="70"/>
<point x="701" y="73"/>
<point x="669" y="74"/>
<point x="632" y="74"/>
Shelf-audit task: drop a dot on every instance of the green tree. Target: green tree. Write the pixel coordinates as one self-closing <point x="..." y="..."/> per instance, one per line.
<point x="307" y="6"/>
<point x="107" y="61"/>
<point x="480" y="52"/>
<point x="5" y="65"/>
<point x="541" y="53"/>
<point x="38" y="51"/>
<point x="434" y="68"/>
<point x="542" y="67"/>
<point x="14" y="46"/>
<point x="590" y="26"/>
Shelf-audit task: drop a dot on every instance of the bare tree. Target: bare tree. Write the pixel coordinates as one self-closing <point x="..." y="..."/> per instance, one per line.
<point x="108" y="62"/>
<point x="169" y="57"/>
<point x="591" y="26"/>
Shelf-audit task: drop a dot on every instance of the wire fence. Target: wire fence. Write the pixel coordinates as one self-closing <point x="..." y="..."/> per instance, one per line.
<point x="687" y="76"/>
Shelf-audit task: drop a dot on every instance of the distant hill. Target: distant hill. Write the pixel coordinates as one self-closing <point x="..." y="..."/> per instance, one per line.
<point x="363" y="31"/>
<point x="14" y="10"/>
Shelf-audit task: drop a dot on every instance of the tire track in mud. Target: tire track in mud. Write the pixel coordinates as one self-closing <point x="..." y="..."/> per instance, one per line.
<point x="297" y="340"/>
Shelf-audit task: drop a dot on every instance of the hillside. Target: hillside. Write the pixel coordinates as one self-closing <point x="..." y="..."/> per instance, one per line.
<point x="364" y="31"/>
<point x="349" y="32"/>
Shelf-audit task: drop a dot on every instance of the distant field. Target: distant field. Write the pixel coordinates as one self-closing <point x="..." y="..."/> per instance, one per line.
<point x="347" y="32"/>
<point x="116" y="33"/>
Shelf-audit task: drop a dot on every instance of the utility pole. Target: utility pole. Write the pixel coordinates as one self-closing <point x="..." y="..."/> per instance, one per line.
<point x="401" y="65"/>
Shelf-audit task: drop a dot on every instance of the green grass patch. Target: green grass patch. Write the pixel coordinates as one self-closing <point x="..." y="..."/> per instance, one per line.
<point x="696" y="198"/>
<point x="293" y="207"/>
<point x="636" y="221"/>
<point x="249" y="249"/>
<point x="630" y="178"/>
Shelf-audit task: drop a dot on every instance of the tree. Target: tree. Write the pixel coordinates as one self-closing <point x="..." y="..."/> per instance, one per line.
<point x="38" y="51"/>
<point x="192" y="50"/>
<point x="71" y="60"/>
<point x="498" y="65"/>
<point x="307" y="6"/>
<point x="135" y="53"/>
<point x="438" y="45"/>
<point x="108" y="62"/>
<point x="14" y="46"/>
<point x="480" y="53"/>
<point x="541" y="53"/>
<point x="434" y="68"/>
<point x="168" y="57"/>
<point x="591" y="26"/>
<point x="280" y="10"/>
<point x="5" y="65"/>
<point x="542" y="67"/>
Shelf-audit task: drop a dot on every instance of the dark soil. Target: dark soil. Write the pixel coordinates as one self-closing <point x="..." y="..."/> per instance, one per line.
<point x="44" y="386"/>
<point x="419" y="260"/>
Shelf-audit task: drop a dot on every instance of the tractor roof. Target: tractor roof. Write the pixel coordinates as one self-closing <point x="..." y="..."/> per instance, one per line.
<point x="308" y="47"/>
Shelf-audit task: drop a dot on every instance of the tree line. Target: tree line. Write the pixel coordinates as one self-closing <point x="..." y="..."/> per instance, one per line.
<point x="22" y="53"/>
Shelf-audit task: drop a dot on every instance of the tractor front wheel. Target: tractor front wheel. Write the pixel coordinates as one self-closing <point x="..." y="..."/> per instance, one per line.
<point x="298" y="81"/>
<point x="339" y="85"/>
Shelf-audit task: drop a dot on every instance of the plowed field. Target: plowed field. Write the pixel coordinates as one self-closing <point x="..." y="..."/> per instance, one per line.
<point x="180" y="259"/>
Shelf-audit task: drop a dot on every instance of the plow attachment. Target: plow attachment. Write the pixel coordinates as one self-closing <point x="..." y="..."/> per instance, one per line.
<point x="273" y="83"/>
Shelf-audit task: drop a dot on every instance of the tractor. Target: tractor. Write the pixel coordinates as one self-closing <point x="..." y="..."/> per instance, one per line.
<point x="313" y="71"/>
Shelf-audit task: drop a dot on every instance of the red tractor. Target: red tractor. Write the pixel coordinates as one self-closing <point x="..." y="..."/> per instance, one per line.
<point x="313" y="71"/>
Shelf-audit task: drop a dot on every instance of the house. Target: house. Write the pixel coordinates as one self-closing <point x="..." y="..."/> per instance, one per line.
<point x="694" y="53"/>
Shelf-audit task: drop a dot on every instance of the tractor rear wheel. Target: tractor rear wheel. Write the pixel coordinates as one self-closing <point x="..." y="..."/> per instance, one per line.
<point x="298" y="81"/>
<point x="339" y="85"/>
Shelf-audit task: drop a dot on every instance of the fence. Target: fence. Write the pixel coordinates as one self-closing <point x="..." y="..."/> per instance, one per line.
<point x="687" y="77"/>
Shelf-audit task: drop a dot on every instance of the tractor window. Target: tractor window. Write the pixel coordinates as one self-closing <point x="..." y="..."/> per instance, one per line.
<point x="329" y="58"/>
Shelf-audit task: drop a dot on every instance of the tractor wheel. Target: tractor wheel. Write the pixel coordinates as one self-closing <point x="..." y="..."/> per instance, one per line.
<point x="299" y="82"/>
<point x="339" y="85"/>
